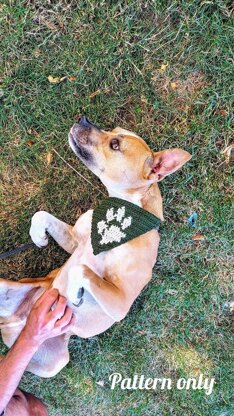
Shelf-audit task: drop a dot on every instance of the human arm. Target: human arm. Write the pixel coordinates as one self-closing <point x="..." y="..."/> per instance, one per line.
<point x="42" y="323"/>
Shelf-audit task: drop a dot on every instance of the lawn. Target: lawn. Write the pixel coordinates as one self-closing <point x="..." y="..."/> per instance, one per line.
<point x="163" y="69"/>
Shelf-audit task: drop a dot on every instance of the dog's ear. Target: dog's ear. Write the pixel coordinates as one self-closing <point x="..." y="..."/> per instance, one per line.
<point x="167" y="162"/>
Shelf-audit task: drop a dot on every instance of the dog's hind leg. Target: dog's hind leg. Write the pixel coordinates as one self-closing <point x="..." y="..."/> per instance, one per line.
<point x="51" y="357"/>
<point x="16" y="301"/>
<point x="62" y="233"/>
<point x="16" y="297"/>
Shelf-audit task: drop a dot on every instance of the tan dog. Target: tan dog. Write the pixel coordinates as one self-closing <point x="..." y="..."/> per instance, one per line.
<point x="112" y="280"/>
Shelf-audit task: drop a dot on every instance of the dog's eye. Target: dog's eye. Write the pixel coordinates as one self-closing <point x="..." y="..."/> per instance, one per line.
<point x="114" y="144"/>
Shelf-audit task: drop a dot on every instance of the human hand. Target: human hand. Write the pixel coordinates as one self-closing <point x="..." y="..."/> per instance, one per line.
<point x="44" y="323"/>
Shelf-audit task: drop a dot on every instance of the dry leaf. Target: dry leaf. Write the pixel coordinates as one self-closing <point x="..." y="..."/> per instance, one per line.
<point x="63" y="78"/>
<point x="163" y="67"/>
<point x="49" y="158"/>
<point x="141" y="332"/>
<point x="93" y="94"/>
<point x="33" y="132"/>
<point x="56" y="80"/>
<point x="30" y="143"/>
<point x="100" y="383"/>
<point x="72" y="78"/>
<point x="37" y="52"/>
<point x="144" y="100"/>
<point x="223" y="113"/>
<point x="53" y="80"/>
<point x="228" y="153"/>
<point x="198" y="237"/>
<point x="173" y="85"/>
<point x="172" y="291"/>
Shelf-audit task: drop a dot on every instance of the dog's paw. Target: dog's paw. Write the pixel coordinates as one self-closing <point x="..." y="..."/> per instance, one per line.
<point x="38" y="229"/>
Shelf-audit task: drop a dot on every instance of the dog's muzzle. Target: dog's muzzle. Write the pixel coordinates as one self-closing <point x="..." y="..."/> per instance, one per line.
<point x="81" y="131"/>
<point x="80" y="138"/>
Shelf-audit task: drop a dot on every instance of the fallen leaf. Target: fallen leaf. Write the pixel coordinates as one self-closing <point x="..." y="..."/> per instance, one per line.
<point x="72" y="78"/>
<point x="198" y="237"/>
<point x="30" y="143"/>
<point x="141" y="332"/>
<point x="228" y="153"/>
<point x="53" y="80"/>
<point x="93" y="94"/>
<point x="49" y="158"/>
<point x="196" y="371"/>
<point x="33" y="132"/>
<point x="37" y="52"/>
<point x="172" y="291"/>
<point x="107" y="90"/>
<point x="173" y="85"/>
<point x="56" y="80"/>
<point x="223" y="113"/>
<point x="100" y="383"/>
<point x="63" y="78"/>
<point x="144" y="100"/>
<point x="163" y="67"/>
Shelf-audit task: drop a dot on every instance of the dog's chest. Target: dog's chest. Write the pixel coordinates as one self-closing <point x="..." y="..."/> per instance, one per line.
<point x="120" y="258"/>
<point x="85" y="250"/>
<point x="84" y="253"/>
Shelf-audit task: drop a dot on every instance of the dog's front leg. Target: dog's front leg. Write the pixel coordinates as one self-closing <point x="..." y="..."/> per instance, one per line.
<point x="111" y="298"/>
<point x="62" y="233"/>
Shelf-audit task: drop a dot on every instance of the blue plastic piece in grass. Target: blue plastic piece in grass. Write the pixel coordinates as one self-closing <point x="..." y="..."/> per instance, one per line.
<point x="193" y="219"/>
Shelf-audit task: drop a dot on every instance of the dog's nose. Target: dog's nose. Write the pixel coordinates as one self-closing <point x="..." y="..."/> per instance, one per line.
<point x="82" y="130"/>
<point x="84" y="122"/>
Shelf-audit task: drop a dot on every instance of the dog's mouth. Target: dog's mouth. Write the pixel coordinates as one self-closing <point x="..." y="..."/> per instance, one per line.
<point x="72" y="141"/>
<point x="83" y="153"/>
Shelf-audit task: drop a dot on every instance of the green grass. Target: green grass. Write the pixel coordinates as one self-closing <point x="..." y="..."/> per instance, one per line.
<point x="118" y="48"/>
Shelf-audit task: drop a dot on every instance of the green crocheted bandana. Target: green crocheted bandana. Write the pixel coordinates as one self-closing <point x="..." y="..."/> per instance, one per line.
<point x="116" y="221"/>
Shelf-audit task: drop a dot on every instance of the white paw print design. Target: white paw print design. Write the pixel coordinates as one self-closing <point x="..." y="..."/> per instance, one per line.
<point x="111" y="233"/>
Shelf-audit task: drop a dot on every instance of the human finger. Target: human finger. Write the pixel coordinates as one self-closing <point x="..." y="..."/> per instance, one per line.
<point x="47" y="299"/>
<point x="60" y="307"/>
<point x="65" y="320"/>
<point x="70" y="325"/>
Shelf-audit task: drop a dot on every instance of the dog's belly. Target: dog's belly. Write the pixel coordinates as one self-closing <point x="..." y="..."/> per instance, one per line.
<point x="91" y="319"/>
